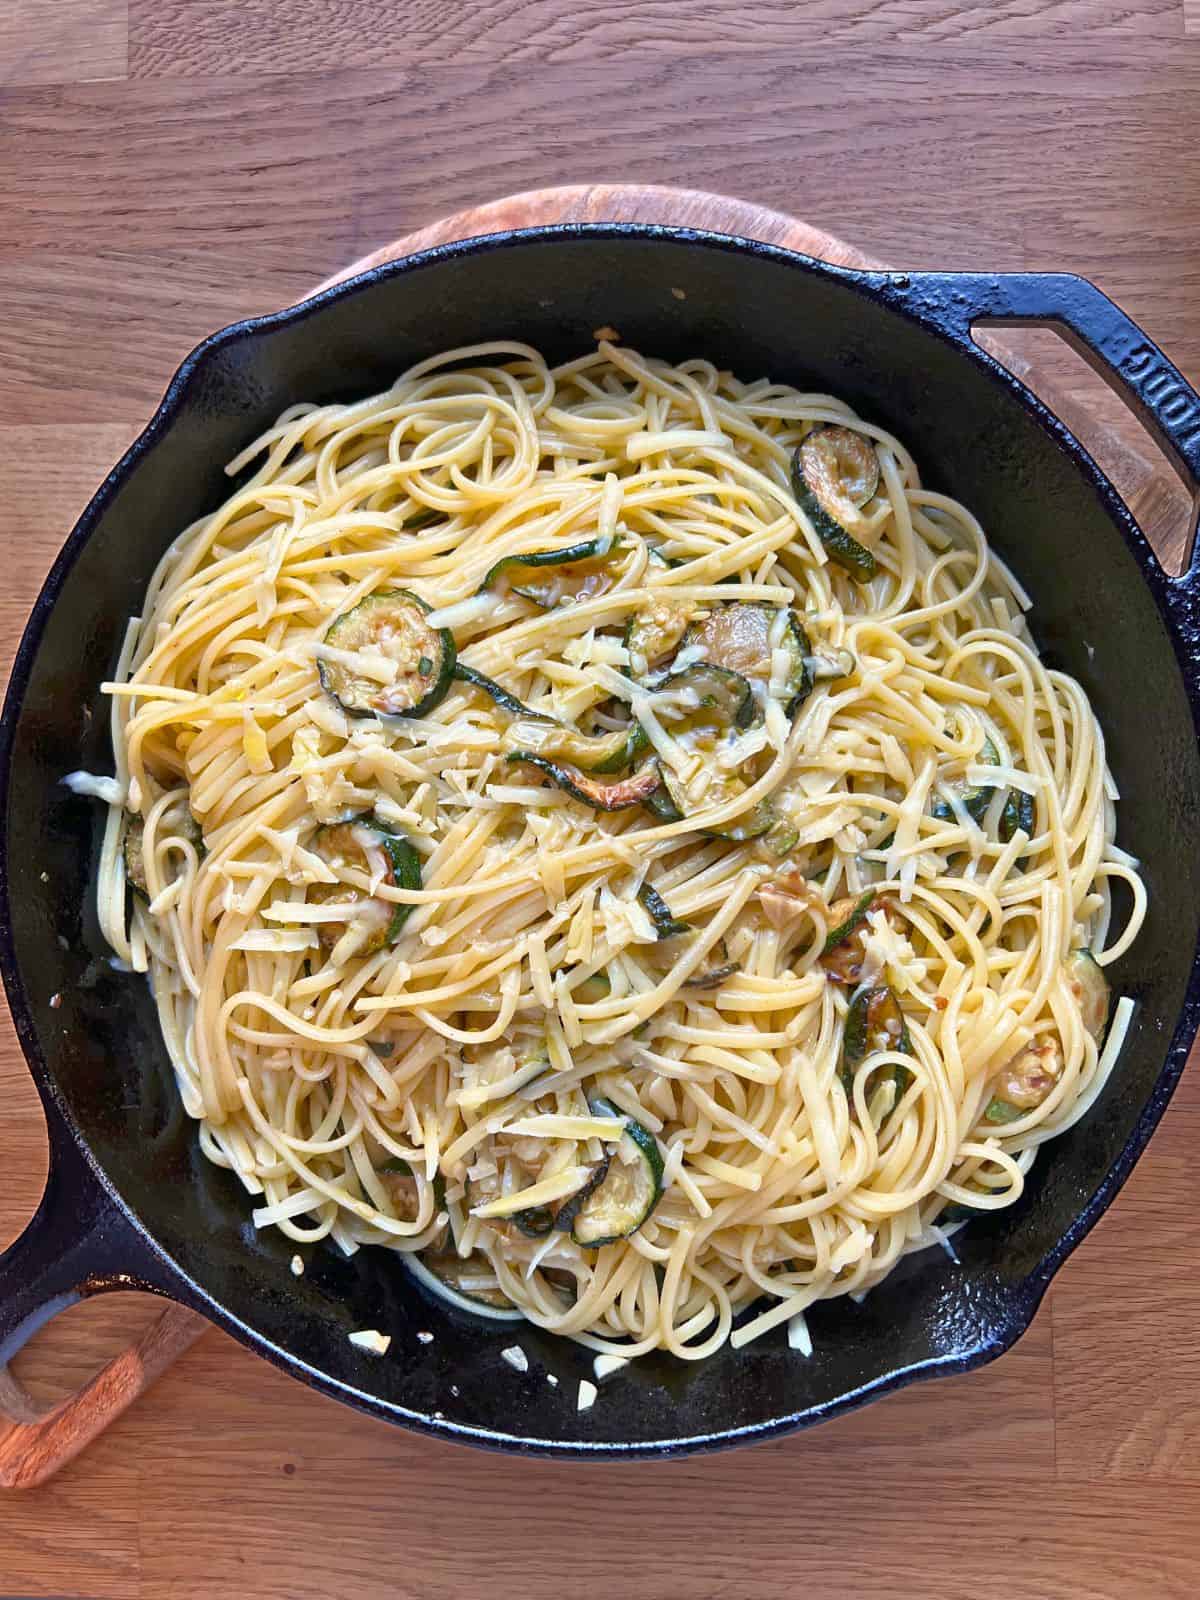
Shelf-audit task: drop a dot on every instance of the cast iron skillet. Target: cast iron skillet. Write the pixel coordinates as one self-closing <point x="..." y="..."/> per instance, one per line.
<point x="130" y="1202"/>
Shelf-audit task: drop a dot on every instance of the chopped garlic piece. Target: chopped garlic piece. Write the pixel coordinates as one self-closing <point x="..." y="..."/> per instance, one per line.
<point x="605" y="1366"/>
<point x="515" y="1357"/>
<point x="372" y="1340"/>
<point x="587" y="1395"/>
<point x="798" y="1335"/>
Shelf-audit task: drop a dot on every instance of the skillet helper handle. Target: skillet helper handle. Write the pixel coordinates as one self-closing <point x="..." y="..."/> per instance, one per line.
<point x="1100" y="331"/>
<point x="78" y="1244"/>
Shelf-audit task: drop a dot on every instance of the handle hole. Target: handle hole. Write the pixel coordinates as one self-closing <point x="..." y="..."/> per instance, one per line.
<point x="1125" y="450"/>
<point x="71" y="1348"/>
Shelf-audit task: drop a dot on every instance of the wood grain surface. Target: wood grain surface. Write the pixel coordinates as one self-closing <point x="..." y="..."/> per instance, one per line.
<point x="169" y="165"/>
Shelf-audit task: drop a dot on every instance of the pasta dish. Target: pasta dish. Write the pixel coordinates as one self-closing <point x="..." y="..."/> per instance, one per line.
<point x="605" y="834"/>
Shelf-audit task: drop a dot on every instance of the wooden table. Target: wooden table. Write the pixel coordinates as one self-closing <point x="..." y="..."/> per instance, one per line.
<point x="169" y="165"/>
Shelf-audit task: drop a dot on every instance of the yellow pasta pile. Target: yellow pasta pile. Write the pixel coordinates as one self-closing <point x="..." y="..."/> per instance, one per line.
<point x="525" y="1049"/>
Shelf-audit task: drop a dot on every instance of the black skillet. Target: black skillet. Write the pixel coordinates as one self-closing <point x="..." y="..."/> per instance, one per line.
<point x="130" y="1202"/>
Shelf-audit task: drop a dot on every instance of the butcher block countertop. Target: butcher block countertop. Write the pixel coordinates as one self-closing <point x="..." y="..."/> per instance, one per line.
<point x="168" y="166"/>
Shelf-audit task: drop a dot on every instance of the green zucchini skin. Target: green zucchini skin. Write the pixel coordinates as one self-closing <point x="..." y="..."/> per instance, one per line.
<point x="631" y="791"/>
<point x="369" y="699"/>
<point x="713" y="978"/>
<point x="564" y="1220"/>
<point x="655" y="634"/>
<point x="842" y="932"/>
<point x="624" y="751"/>
<point x="651" y="1158"/>
<point x="535" y="1222"/>
<point x="507" y="702"/>
<point x="975" y="799"/>
<point x="736" y="637"/>
<point x="666" y="926"/>
<point x="1091" y="989"/>
<point x="403" y="860"/>
<point x="404" y="1168"/>
<point x="782" y="839"/>
<point x="422" y="519"/>
<point x="1018" y="813"/>
<point x="717" y="689"/>
<point x="601" y="755"/>
<point x="841" y="546"/>
<point x="1000" y="1111"/>
<point x="585" y="550"/>
<point x="874" y="1011"/>
<point x="662" y="806"/>
<point x="760" y="819"/>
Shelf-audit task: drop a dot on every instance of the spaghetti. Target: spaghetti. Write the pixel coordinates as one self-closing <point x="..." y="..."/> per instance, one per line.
<point x="606" y="834"/>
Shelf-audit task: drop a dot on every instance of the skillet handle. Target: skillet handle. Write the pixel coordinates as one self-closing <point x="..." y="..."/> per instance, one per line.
<point x="79" y="1243"/>
<point x="1099" y="330"/>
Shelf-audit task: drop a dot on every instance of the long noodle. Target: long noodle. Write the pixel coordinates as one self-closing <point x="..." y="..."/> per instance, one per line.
<point x="317" y="1074"/>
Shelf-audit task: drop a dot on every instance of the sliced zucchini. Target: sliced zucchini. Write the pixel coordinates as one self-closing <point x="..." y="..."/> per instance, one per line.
<point x="975" y="798"/>
<point x="852" y="916"/>
<point x="781" y="840"/>
<point x="1086" y="981"/>
<point x="723" y="695"/>
<point x="760" y="819"/>
<point x="180" y="823"/>
<point x="874" y="1022"/>
<point x="656" y="630"/>
<point x="845" y="950"/>
<point x="390" y="623"/>
<point x="535" y="1222"/>
<point x="738" y="637"/>
<point x="363" y="844"/>
<point x="666" y="926"/>
<point x="452" y="1271"/>
<point x="1018" y="813"/>
<point x="834" y="472"/>
<point x="714" y="977"/>
<point x="578" y="572"/>
<point x="631" y="791"/>
<point x="1026" y="1080"/>
<point x="601" y="754"/>
<point x="402" y="1187"/>
<point x="133" y="848"/>
<point x="663" y="807"/>
<point x="564" y="1220"/>
<point x="620" y="1203"/>
<point x="422" y="519"/>
<point x="720" y="700"/>
<point x="506" y="702"/>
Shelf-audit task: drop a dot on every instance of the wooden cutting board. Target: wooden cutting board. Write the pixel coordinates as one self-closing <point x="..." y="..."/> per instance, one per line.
<point x="1000" y="1423"/>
